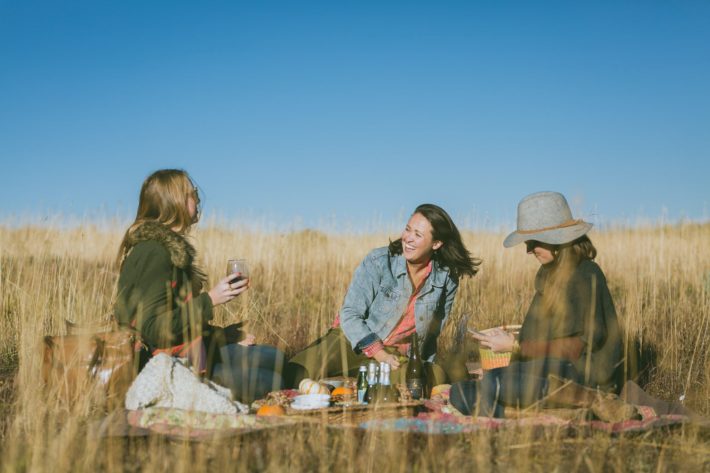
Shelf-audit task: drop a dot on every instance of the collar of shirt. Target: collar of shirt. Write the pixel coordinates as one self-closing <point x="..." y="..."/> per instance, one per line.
<point x="436" y="278"/>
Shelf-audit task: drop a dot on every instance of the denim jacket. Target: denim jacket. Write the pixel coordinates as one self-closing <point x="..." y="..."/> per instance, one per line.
<point x="378" y="296"/>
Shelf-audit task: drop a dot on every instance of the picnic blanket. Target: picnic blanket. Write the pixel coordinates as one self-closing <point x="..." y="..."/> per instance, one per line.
<point x="444" y="419"/>
<point x="175" y="421"/>
<point x="444" y="423"/>
<point x="184" y="425"/>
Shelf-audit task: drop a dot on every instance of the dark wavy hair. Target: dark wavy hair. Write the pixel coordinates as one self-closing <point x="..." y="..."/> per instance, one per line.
<point x="452" y="254"/>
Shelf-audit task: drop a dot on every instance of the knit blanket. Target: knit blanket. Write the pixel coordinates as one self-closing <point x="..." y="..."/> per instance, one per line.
<point x="167" y="382"/>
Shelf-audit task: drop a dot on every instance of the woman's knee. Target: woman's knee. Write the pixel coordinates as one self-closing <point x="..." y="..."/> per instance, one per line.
<point x="293" y="374"/>
<point x="463" y="396"/>
<point x="253" y="356"/>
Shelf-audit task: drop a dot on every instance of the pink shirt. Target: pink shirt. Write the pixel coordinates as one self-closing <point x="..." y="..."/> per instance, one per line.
<point x="402" y="331"/>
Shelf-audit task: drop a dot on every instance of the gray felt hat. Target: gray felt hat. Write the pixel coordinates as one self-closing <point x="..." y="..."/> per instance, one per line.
<point x="546" y="217"/>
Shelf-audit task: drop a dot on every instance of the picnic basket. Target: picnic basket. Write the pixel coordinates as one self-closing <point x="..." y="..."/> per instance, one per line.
<point x="490" y="359"/>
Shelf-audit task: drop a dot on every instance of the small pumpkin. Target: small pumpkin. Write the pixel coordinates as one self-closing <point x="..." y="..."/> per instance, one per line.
<point x="270" y="410"/>
<point x="305" y="385"/>
<point x="308" y="386"/>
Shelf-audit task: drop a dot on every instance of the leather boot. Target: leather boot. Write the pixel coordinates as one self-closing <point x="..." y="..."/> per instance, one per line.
<point x="607" y="407"/>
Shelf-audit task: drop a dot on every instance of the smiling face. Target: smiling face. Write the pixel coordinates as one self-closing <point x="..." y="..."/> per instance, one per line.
<point x="542" y="251"/>
<point x="418" y="242"/>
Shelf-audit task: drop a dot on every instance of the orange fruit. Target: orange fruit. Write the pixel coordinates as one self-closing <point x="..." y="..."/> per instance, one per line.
<point x="342" y="391"/>
<point x="270" y="410"/>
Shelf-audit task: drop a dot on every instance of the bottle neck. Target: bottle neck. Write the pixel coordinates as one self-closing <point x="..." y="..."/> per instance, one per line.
<point x="414" y="348"/>
<point x="372" y="377"/>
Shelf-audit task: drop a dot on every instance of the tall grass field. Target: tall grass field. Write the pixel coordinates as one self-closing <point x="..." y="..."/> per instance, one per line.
<point x="659" y="276"/>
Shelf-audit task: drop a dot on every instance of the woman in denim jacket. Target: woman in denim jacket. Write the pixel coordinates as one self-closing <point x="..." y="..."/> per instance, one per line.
<point x="400" y="291"/>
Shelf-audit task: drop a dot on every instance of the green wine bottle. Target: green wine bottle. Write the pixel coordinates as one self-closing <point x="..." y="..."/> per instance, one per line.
<point x="415" y="371"/>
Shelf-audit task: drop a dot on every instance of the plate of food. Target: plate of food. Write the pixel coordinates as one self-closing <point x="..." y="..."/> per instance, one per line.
<point x="311" y="401"/>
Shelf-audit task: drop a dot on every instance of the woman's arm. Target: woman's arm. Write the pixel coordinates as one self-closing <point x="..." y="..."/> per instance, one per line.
<point x="362" y="291"/>
<point x="452" y="287"/>
<point x="568" y="348"/>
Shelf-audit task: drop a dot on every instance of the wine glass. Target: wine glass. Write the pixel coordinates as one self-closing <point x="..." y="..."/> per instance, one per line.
<point x="236" y="265"/>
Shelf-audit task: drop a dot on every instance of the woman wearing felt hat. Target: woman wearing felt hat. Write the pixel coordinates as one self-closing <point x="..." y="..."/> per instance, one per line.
<point x="570" y="335"/>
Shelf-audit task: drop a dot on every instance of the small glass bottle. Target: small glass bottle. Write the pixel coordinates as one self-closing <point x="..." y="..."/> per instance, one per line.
<point x="361" y="384"/>
<point x="385" y="391"/>
<point x="371" y="382"/>
<point x="415" y="371"/>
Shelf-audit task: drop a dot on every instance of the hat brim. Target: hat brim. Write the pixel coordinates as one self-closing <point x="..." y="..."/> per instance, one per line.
<point x="558" y="236"/>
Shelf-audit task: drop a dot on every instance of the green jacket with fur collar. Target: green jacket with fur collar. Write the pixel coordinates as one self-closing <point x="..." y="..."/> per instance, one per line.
<point x="160" y="288"/>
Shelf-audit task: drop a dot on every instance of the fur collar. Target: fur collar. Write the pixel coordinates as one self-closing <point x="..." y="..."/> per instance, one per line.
<point x="182" y="253"/>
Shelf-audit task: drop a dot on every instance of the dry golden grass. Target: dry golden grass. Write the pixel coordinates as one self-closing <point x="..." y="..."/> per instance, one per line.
<point x="659" y="276"/>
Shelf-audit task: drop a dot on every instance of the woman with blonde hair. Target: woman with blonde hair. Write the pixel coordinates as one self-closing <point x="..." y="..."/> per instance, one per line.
<point x="161" y="292"/>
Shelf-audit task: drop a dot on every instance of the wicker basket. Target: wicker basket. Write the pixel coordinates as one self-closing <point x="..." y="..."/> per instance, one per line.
<point x="490" y="359"/>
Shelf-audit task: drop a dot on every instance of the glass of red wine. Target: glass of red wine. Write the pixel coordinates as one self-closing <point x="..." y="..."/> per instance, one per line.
<point x="236" y="265"/>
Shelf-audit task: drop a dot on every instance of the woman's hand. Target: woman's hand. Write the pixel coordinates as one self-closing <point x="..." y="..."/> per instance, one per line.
<point x="249" y="340"/>
<point x="391" y="360"/>
<point x="496" y="339"/>
<point x="224" y="291"/>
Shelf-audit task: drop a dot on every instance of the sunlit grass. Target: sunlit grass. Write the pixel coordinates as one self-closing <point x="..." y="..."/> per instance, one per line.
<point x="659" y="276"/>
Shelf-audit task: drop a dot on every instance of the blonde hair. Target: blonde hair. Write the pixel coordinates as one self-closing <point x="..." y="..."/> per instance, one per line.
<point x="163" y="199"/>
<point x="567" y="258"/>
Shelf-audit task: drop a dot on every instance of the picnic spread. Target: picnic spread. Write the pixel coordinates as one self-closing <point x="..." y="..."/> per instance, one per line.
<point x="167" y="398"/>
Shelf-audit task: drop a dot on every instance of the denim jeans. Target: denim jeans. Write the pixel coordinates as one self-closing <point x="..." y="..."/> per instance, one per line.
<point x="332" y="355"/>
<point x="518" y="385"/>
<point x="250" y="372"/>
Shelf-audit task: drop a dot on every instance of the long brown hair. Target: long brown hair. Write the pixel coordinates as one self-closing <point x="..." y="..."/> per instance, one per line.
<point x="452" y="254"/>
<point x="163" y="199"/>
<point x="567" y="258"/>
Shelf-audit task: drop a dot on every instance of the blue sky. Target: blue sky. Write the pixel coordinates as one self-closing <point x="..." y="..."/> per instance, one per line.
<point x="357" y="111"/>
